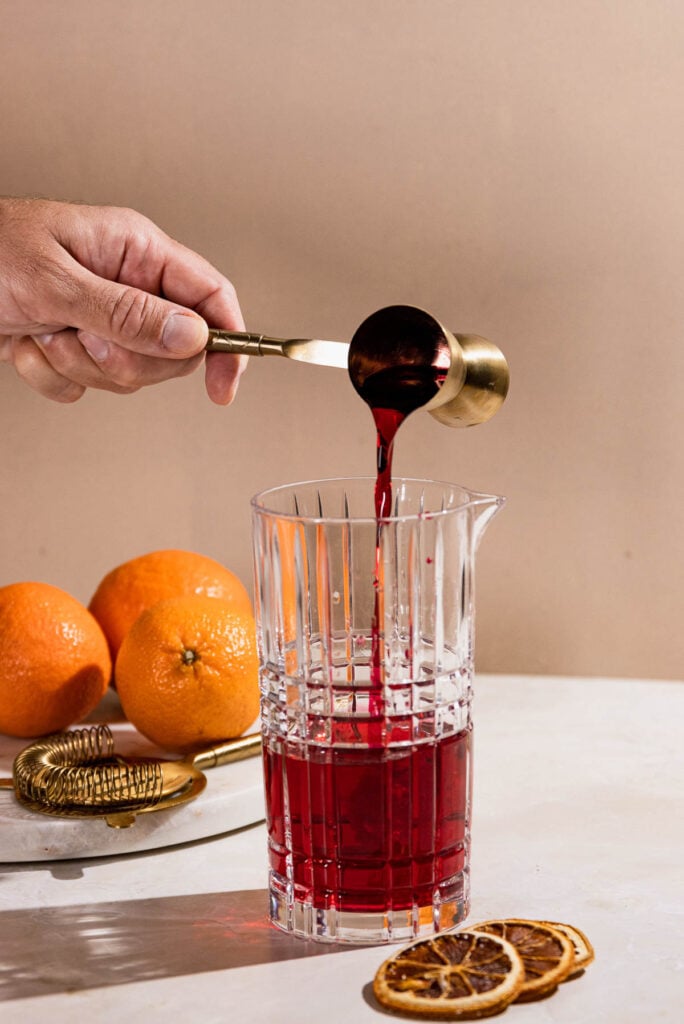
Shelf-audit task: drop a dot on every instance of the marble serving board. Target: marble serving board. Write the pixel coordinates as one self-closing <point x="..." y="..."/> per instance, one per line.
<point x="232" y="799"/>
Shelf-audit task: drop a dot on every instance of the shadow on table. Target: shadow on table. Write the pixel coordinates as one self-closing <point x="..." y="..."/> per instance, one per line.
<point x="65" y="949"/>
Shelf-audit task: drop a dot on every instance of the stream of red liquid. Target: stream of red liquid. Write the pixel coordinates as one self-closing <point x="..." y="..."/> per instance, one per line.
<point x="411" y="388"/>
<point x="387" y="422"/>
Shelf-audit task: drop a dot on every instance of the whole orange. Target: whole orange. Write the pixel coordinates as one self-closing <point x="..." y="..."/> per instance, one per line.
<point x="54" y="660"/>
<point x="136" y="585"/>
<point x="187" y="672"/>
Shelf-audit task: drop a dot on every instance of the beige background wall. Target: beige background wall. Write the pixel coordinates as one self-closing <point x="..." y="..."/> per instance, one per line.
<point x="515" y="166"/>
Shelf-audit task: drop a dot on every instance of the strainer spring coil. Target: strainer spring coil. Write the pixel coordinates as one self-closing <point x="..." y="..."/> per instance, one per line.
<point x="66" y="772"/>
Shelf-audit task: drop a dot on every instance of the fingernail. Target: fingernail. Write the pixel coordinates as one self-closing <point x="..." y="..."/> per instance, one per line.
<point x="183" y="334"/>
<point x="96" y="347"/>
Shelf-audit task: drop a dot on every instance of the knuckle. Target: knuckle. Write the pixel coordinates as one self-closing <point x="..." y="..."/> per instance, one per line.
<point x="222" y="296"/>
<point x="130" y="215"/>
<point x="66" y="393"/>
<point x="124" y="216"/>
<point x="125" y="377"/>
<point x="26" y="357"/>
<point x="5" y="349"/>
<point x="60" y="350"/>
<point x="133" y="223"/>
<point x="231" y="292"/>
<point x="30" y="366"/>
<point x="116" y="388"/>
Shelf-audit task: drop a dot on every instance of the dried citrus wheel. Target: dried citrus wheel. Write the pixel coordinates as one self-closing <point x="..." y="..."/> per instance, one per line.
<point x="129" y="589"/>
<point x="187" y="672"/>
<point x="547" y="954"/>
<point x="54" y="661"/>
<point x="582" y="947"/>
<point x="460" y="975"/>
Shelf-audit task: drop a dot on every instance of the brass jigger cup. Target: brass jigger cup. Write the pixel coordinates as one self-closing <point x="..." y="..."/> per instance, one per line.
<point x="400" y="354"/>
<point x="403" y="358"/>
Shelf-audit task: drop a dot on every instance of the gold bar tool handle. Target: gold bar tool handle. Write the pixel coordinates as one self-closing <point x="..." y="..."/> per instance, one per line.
<point x="232" y="750"/>
<point x="244" y="343"/>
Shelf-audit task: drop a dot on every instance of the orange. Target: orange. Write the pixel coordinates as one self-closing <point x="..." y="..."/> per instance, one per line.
<point x="54" y="660"/>
<point x="129" y="589"/>
<point x="187" y="672"/>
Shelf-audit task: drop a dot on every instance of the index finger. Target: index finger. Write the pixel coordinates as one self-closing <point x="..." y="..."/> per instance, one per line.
<point x="219" y="307"/>
<point x="192" y="281"/>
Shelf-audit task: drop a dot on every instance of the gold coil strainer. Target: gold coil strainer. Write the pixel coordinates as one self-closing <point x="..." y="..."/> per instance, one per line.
<point x="78" y="774"/>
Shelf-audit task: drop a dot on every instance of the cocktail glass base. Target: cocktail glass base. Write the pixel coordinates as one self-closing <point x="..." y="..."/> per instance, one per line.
<point x="299" y="916"/>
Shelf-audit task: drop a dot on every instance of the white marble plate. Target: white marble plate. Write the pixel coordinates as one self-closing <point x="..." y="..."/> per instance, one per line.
<point x="232" y="799"/>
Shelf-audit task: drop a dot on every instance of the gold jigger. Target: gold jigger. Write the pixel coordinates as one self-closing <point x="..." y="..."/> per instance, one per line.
<point x="400" y="357"/>
<point x="484" y="388"/>
<point x="403" y="358"/>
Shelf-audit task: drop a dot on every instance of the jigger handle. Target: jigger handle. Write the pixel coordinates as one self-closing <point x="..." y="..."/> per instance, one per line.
<point x="303" y="350"/>
<point x="244" y="343"/>
<point x="226" y="753"/>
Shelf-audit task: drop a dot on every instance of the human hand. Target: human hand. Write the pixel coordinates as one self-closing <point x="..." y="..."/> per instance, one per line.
<point x="100" y="297"/>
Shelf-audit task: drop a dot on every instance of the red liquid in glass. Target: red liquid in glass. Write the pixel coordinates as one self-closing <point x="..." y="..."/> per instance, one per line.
<point x="370" y="829"/>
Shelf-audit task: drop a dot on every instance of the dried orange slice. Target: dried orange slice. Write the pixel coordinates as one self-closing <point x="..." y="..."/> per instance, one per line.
<point x="547" y="954"/>
<point x="460" y="975"/>
<point x="582" y="947"/>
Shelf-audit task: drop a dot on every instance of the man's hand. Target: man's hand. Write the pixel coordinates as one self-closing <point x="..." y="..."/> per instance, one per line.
<point x="100" y="297"/>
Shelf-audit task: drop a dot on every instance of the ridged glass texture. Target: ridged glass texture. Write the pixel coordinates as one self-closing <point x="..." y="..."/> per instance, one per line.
<point x="365" y="642"/>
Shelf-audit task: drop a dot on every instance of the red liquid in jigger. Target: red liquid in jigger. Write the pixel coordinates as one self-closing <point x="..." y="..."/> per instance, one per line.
<point x="372" y="828"/>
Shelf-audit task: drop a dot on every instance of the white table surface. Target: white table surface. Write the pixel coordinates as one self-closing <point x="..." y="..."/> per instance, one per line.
<point x="578" y="818"/>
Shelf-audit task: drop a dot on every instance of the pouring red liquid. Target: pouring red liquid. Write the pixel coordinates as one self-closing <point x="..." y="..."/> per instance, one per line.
<point x="398" y="360"/>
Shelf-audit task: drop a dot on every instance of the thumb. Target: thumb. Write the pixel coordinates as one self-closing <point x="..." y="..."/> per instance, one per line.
<point x="137" y="320"/>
